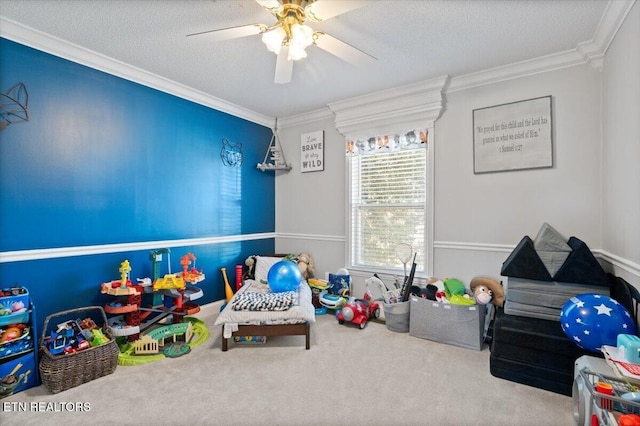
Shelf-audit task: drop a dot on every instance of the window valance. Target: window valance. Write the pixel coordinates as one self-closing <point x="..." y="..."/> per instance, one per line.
<point x="392" y="142"/>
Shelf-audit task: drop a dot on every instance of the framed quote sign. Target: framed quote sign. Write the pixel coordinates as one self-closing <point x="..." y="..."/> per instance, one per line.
<point x="513" y="136"/>
<point x="312" y="151"/>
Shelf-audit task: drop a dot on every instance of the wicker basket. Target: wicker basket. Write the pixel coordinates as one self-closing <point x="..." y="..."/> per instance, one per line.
<point x="62" y="372"/>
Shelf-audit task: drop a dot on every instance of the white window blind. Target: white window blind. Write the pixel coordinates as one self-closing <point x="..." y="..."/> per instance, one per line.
<point x="388" y="197"/>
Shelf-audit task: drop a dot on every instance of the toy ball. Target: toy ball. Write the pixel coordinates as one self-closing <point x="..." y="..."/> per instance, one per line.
<point x="284" y="276"/>
<point x="592" y="320"/>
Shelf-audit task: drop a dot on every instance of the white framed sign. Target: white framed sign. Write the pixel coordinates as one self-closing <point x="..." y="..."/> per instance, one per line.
<point x="513" y="136"/>
<point x="312" y="151"/>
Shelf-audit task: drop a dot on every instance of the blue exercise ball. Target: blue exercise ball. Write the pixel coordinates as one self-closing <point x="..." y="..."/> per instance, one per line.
<point x="284" y="276"/>
<point x="592" y="320"/>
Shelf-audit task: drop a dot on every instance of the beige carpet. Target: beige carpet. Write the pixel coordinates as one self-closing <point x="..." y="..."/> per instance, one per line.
<point x="349" y="377"/>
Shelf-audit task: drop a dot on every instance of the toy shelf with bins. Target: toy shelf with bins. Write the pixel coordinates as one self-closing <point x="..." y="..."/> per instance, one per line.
<point x="18" y="342"/>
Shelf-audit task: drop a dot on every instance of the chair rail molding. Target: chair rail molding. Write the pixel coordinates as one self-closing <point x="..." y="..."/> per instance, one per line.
<point x="51" y="253"/>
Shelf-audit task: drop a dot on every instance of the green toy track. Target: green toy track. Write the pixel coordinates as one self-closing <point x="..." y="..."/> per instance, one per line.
<point x="127" y="357"/>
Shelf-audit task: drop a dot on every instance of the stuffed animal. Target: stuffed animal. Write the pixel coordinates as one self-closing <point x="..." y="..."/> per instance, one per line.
<point x="305" y="263"/>
<point x="303" y="260"/>
<point x="487" y="290"/>
<point x="483" y="295"/>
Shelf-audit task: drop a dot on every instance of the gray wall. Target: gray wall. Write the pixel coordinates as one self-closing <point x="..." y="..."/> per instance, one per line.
<point x="310" y="207"/>
<point x="621" y="151"/>
<point x="592" y="192"/>
<point x="486" y="214"/>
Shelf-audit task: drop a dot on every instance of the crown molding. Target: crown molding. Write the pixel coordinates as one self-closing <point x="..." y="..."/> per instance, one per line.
<point x="594" y="50"/>
<point x="27" y="36"/>
<point x="304" y="118"/>
<point x="612" y="19"/>
<point x="405" y="107"/>
<point x="590" y="52"/>
<point x="515" y="70"/>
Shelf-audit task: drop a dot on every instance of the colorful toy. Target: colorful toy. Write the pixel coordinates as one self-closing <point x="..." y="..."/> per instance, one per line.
<point x="629" y="420"/>
<point x="11" y="381"/>
<point x="139" y="307"/>
<point x="335" y="297"/>
<point x="284" y="276"/>
<point x="453" y="286"/>
<point x="13" y="302"/>
<point x="228" y="293"/>
<point x="192" y="276"/>
<point x="125" y="269"/>
<point x="12" y="332"/>
<point x="98" y="338"/>
<point x="333" y="301"/>
<point x="67" y="339"/>
<point x="359" y="311"/>
<point x="317" y="287"/>
<point x="169" y="281"/>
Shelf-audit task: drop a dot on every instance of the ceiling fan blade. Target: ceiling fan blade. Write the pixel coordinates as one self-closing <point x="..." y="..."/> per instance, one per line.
<point x="232" y="32"/>
<point x="273" y="6"/>
<point x="321" y="10"/>
<point x="284" y="67"/>
<point x="342" y="50"/>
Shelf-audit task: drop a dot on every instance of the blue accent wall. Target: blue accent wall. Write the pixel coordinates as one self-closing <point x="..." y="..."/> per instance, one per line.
<point x="103" y="160"/>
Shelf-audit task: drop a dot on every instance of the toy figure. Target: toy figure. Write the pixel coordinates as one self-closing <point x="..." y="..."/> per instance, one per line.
<point x="12" y="332"/>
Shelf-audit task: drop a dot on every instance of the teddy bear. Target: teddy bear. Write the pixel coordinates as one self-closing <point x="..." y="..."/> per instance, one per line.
<point x="305" y="263"/>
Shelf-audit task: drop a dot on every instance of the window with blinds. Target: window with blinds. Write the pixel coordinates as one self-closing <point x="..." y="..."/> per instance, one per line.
<point x="388" y="204"/>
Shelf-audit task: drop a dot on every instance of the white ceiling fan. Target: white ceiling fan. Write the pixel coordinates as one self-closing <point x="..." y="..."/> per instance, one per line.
<point x="290" y="36"/>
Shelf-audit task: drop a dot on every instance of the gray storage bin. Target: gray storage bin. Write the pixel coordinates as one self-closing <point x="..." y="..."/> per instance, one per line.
<point x="451" y="324"/>
<point x="397" y="316"/>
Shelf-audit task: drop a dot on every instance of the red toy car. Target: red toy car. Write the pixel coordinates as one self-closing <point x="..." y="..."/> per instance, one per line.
<point x="359" y="311"/>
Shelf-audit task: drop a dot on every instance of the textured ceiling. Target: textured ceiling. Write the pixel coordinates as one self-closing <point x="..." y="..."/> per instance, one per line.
<point x="412" y="40"/>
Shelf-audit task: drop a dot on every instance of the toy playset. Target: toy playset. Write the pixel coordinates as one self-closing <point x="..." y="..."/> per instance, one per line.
<point x="140" y="311"/>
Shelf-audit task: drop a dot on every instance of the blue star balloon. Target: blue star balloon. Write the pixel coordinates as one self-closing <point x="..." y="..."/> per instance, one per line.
<point x="592" y="320"/>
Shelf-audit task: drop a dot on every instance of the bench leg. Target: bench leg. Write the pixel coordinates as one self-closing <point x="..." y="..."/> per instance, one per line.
<point x="308" y="337"/>
<point x="224" y="341"/>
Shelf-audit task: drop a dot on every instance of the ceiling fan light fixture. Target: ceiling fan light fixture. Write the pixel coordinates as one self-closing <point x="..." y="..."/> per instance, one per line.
<point x="273" y="39"/>
<point x="301" y="38"/>
<point x="289" y="37"/>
